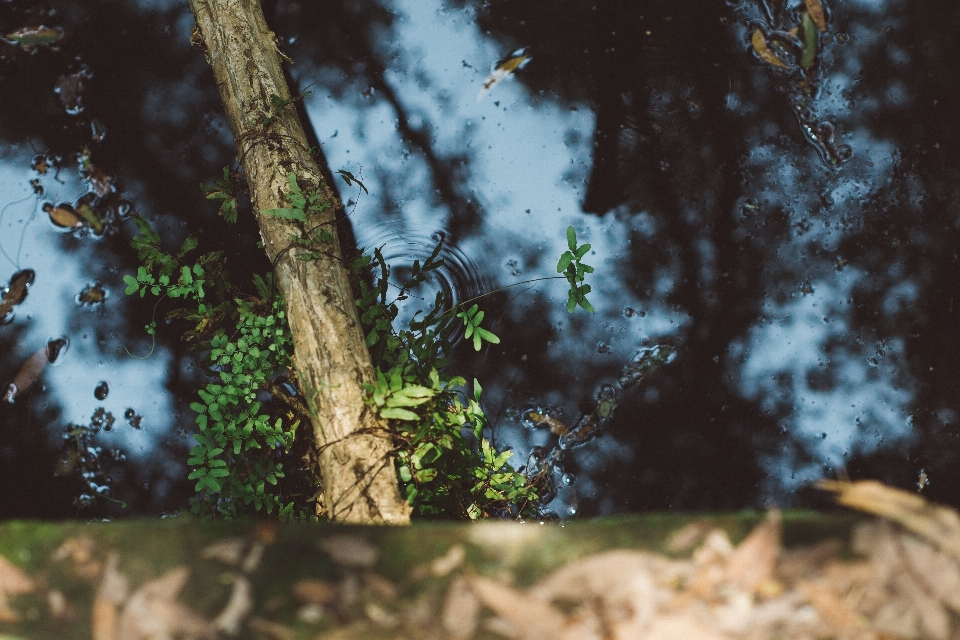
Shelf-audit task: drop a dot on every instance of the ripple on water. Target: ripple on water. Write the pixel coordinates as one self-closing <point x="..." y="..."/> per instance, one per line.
<point x="459" y="278"/>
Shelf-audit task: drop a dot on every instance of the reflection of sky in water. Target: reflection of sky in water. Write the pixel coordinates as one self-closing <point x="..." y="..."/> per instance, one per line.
<point x="136" y="384"/>
<point x="527" y="160"/>
<point x="528" y="173"/>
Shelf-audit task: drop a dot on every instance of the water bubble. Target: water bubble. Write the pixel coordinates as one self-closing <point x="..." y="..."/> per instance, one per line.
<point x="100" y="393"/>
<point x="439" y="236"/>
<point x="129" y="413"/>
<point x="568" y="479"/>
<point x="628" y="312"/>
<point x="844" y="152"/>
<point x="56" y="348"/>
<point x="603" y="347"/>
<point x="97" y="131"/>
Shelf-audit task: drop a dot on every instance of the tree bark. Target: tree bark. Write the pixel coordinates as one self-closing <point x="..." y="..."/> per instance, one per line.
<point x="330" y="354"/>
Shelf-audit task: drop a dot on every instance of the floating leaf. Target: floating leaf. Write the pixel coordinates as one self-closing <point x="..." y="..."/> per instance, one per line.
<point x="51" y="354"/>
<point x="30" y="37"/>
<point x="815" y="9"/>
<point x="759" y="42"/>
<point x="63" y="216"/>
<point x="90" y="217"/>
<point x="15" y="292"/>
<point x="503" y="70"/>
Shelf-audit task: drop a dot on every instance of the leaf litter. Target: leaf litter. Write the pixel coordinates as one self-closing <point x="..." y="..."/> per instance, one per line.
<point x="898" y="576"/>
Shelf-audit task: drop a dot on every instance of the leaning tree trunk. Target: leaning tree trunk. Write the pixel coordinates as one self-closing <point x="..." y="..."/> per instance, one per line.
<point x="330" y="354"/>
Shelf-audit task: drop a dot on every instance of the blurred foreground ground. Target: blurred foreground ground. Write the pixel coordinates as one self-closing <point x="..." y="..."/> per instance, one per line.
<point x="658" y="577"/>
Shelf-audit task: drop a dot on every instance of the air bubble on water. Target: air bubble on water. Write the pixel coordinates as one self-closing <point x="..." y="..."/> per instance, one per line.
<point x="97" y="131"/>
<point x="603" y="347"/>
<point x="439" y="235"/>
<point x="568" y="479"/>
<point x="628" y="312"/>
<point x="56" y="349"/>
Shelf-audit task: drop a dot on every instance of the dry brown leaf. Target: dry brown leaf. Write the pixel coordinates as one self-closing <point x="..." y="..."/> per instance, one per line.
<point x="815" y="9"/>
<point x="449" y="561"/>
<point x="938" y="572"/>
<point x="795" y="564"/>
<point x="531" y="617"/>
<point x="686" y="538"/>
<point x="754" y="560"/>
<point x="13" y="582"/>
<point x="152" y="611"/>
<point x="611" y="574"/>
<point x="315" y="592"/>
<point x="228" y="551"/>
<point x="105" y="616"/>
<point x="759" y="42"/>
<point x="238" y="607"/>
<point x="350" y="551"/>
<point x="461" y="610"/>
<point x="831" y="607"/>
<point x="932" y="616"/>
<point x="931" y="522"/>
<point x="675" y="627"/>
<point x="384" y="590"/>
<point x="272" y="629"/>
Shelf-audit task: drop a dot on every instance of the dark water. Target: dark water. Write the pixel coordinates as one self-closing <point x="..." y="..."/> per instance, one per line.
<point x="793" y="234"/>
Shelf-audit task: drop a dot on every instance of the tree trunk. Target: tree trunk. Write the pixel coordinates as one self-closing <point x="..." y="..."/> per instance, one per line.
<point x="330" y="355"/>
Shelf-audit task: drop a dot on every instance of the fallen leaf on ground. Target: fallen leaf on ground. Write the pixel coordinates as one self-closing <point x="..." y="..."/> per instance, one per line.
<point x="13" y="582"/>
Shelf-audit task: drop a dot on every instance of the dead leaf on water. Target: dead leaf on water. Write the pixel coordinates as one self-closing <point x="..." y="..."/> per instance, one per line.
<point x="759" y="42"/>
<point x="503" y="70"/>
<point x="15" y="292"/>
<point x="63" y="216"/>
<point x="816" y="12"/>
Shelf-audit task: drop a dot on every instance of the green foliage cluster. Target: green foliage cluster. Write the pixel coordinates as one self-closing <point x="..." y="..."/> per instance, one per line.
<point x="222" y="189"/>
<point x="245" y="341"/>
<point x="445" y="464"/>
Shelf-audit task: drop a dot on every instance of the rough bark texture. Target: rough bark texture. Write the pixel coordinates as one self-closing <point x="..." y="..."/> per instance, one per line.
<point x="331" y="357"/>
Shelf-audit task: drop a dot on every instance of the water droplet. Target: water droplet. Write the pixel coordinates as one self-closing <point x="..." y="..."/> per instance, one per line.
<point x="568" y="479"/>
<point x="628" y="312"/>
<point x="100" y="393"/>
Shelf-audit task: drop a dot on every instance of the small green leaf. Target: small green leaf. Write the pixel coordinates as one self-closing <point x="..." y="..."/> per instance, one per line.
<point x="396" y="413"/>
<point x="572" y="238"/>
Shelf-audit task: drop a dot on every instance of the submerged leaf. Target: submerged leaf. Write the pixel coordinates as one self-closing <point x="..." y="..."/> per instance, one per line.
<point x="809" y="42"/>
<point x="815" y="9"/>
<point x="759" y="42"/>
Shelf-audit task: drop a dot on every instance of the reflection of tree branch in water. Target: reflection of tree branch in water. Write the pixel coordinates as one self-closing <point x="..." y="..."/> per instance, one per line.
<point x="447" y="174"/>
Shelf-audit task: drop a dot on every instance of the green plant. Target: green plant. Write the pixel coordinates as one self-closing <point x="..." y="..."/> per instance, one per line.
<point x="278" y="104"/>
<point x="222" y="189"/>
<point x="574" y="270"/>
<point x="445" y="464"/>
<point x="240" y="446"/>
